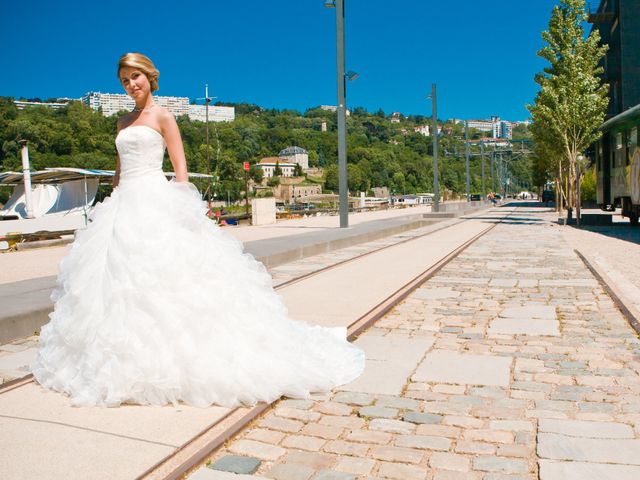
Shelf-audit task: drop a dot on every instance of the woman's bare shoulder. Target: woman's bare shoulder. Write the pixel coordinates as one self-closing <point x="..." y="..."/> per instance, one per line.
<point x="123" y="121"/>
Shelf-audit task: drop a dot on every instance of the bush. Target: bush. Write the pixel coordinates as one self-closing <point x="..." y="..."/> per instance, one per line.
<point x="588" y="186"/>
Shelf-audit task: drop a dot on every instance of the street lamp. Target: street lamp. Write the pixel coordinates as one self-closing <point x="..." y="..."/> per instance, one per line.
<point x="207" y="100"/>
<point x="341" y="110"/>
<point x="434" y="135"/>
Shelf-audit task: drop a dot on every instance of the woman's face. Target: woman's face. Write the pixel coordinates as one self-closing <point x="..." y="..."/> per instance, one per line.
<point x="135" y="82"/>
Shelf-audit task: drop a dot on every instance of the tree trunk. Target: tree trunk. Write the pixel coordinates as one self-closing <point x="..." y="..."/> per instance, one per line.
<point x="578" y="199"/>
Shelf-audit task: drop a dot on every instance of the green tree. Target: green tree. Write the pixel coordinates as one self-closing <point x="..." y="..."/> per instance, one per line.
<point x="277" y="172"/>
<point x="572" y="101"/>
<point x="297" y="170"/>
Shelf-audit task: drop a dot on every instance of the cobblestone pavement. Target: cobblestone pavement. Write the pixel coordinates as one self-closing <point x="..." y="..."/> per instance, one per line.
<point x="16" y="356"/>
<point x="510" y="363"/>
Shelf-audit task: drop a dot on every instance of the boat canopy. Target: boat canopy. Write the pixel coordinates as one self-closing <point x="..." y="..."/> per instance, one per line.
<point x="58" y="175"/>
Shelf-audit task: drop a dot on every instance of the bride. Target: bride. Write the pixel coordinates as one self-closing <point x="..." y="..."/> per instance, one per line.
<point x="155" y="304"/>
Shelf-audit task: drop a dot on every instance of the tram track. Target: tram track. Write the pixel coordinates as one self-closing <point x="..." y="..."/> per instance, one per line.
<point x="193" y="452"/>
<point x="211" y="439"/>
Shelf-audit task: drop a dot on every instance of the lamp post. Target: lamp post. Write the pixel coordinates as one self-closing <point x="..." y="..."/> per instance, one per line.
<point x="207" y="99"/>
<point x="26" y="178"/>
<point x="466" y="154"/>
<point x="434" y="136"/>
<point x="341" y="110"/>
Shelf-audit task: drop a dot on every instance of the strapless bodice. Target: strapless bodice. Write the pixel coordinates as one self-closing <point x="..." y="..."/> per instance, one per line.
<point x="141" y="150"/>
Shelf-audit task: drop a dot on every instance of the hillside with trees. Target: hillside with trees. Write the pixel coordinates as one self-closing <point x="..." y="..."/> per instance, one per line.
<point x="380" y="152"/>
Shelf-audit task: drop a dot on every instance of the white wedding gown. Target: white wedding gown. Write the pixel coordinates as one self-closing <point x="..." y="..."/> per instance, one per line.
<point x="155" y="304"/>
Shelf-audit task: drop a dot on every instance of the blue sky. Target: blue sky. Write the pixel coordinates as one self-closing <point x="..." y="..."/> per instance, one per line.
<point x="282" y="53"/>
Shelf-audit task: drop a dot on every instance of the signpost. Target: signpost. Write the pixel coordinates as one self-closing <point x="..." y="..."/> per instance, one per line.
<point x="245" y="166"/>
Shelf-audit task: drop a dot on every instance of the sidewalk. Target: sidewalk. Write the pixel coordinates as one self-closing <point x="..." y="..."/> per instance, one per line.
<point x="511" y="363"/>
<point x="98" y="442"/>
<point x="28" y="277"/>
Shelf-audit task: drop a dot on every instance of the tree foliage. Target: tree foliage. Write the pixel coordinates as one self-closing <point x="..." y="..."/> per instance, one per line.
<point x="380" y="153"/>
<point x="571" y="103"/>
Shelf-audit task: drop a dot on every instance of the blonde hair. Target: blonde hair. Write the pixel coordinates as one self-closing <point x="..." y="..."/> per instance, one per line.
<point x="142" y="63"/>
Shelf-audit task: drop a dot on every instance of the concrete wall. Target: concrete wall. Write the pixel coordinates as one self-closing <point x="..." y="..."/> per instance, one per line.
<point x="263" y="211"/>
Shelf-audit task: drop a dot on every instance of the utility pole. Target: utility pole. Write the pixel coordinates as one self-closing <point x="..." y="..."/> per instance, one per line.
<point x="434" y="134"/>
<point x="484" y="192"/>
<point x="342" y="117"/>
<point x="466" y="154"/>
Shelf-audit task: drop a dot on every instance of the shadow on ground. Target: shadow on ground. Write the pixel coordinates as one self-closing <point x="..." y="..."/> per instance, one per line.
<point x="621" y="231"/>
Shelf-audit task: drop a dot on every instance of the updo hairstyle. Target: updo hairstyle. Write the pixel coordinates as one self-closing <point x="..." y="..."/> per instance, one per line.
<point x="142" y="63"/>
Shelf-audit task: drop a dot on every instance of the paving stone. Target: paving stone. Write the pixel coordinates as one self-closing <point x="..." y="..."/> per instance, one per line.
<point x="282" y="424"/>
<point x="515" y="425"/>
<point x="420" y="417"/>
<point x="333" y="408"/>
<point x="397" y="402"/>
<point x="313" y="460"/>
<point x="259" y="450"/>
<point x="562" y="447"/>
<point x="397" y="454"/>
<point x="264" y="435"/>
<point x="393" y="426"/>
<point x="236" y="464"/>
<point x="322" y="431"/>
<point x="354" y="398"/>
<point x="479" y="448"/>
<point x="434" y="293"/>
<point x="577" y="428"/>
<point x="289" y="471"/>
<point x="297" y="414"/>
<point x="208" y="474"/>
<point x="304" y="442"/>
<point x="369" y="436"/>
<point x="551" y="470"/>
<point x="540" y="312"/>
<point x="451" y="475"/>
<point x="342" y="421"/>
<point x="522" y="451"/>
<point x="450" y="367"/>
<point x="425" y="442"/>
<point x="449" y="461"/>
<point x="333" y="475"/>
<point x="355" y="465"/>
<point x="498" y="464"/>
<point x="400" y="471"/>
<point x="522" y="326"/>
<point x="341" y="447"/>
<point x="378" y="412"/>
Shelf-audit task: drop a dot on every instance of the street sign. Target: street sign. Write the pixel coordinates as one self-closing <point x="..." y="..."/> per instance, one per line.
<point x="246" y="166"/>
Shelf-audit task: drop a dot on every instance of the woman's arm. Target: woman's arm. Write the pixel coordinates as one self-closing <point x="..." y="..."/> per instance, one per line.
<point x="116" y="177"/>
<point x="172" y="138"/>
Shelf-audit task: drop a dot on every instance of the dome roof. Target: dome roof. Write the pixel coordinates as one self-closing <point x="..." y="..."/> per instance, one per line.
<point x="292" y="151"/>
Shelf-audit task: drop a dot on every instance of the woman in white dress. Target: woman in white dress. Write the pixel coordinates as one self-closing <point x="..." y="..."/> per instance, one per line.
<point x="155" y="304"/>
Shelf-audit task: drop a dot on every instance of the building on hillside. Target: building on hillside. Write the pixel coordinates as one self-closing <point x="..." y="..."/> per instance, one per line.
<point x="268" y="166"/>
<point x="422" y="130"/>
<point x="498" y="128"/>
<point x="380" y="191"/>
<point x="61" y="103"/>
<point x="112" y="103"/>
<point x="396" y="117"/>
<point x="292" y="193"/>
<point x="333" y="108"/>
<point x="295" y="155"/>
<point x="217" y="113"/>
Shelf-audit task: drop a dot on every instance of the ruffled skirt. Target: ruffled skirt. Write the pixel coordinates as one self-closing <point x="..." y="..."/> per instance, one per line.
<point x="155" y="304"/>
